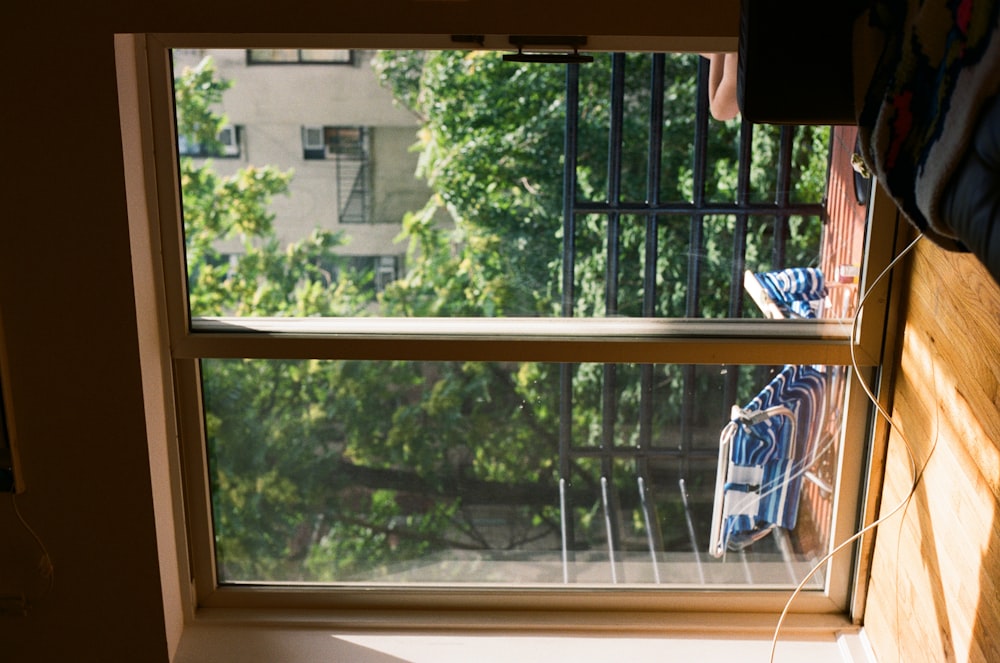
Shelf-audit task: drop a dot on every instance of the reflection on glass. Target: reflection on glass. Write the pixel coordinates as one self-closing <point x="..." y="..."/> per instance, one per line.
<point x="409" y="472"/>
<point x="432" y="184"/>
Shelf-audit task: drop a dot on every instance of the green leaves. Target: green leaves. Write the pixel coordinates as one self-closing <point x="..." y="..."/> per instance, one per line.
<point x="196" y="91"/>
<point x="490" y="147"/>
<point x="256" y="275"/>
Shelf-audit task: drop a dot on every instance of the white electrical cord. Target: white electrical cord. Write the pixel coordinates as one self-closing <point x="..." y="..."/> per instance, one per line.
<point x="45" y="567"/>
<point x="888" y="418"/>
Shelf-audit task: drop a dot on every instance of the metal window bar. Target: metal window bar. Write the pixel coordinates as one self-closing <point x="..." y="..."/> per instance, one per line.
<point x="782" y="195"/>
<point x="609" y="400"/>
<point x="655" y="212"/>
<point x="566" y="370"/>
<point x="647" y="404"/>
<point x="689" y="521"/>
<point x="649" y="521"/>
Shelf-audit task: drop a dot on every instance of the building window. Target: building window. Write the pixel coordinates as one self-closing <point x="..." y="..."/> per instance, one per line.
<point x="537" y="397"/>
<point x="377" y="272"/>
<point x="370" y="274"/>
<point x="228" y="144"/>
<point x="299" y="56"/>
<point x="335" y="142"/>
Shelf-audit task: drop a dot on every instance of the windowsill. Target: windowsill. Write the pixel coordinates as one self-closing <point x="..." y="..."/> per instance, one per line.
<point x="266" y="643"/>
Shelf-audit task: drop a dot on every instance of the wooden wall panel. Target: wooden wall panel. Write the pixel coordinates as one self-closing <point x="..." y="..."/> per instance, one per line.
<point x="934" y="592"/>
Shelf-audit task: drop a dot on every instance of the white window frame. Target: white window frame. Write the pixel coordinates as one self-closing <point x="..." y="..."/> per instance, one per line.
<point x="149" y="144"/>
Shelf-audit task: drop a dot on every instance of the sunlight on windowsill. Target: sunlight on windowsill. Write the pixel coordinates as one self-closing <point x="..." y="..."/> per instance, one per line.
<point x="291" y="645"/>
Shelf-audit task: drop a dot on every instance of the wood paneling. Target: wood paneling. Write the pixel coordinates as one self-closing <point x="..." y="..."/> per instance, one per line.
<point x="934" y="592"/>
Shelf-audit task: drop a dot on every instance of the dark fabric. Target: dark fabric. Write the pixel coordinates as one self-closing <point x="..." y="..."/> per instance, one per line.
<point x="940" y="65"/>
<point x="971" y="202"/>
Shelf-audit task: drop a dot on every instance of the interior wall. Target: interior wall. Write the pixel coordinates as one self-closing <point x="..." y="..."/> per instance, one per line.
<point x="66" y="291"/>
<point x="934" y="593"/>
<point x="70" y="323"/>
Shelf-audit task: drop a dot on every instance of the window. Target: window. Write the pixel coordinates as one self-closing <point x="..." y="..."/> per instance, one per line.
<point x="370" y="274"/>
<point x="334" y="142"/>
<point x="299" y="56"/>
<point x="536" y="398"/>
<point x="380" y="271"/>
<point x="228" y="144"/>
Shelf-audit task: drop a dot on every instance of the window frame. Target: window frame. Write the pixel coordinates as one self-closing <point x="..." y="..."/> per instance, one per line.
<point x="183" y="341"/>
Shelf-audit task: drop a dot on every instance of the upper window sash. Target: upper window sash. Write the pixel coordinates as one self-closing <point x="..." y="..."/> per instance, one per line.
<point x="827" y="342"/>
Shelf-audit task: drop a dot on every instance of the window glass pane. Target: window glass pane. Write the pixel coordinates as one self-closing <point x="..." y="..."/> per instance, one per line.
<point x="454" y="164"/>
<point x="515" y="474"/>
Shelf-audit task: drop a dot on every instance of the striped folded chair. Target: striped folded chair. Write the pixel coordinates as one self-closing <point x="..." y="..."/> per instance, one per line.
<point x="764" y="453"/>
<point x="789" y="293"/>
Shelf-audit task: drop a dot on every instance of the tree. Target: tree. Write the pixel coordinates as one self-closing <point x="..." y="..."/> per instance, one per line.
<point x="337" y="470"/>
<point x="492" y="149"/>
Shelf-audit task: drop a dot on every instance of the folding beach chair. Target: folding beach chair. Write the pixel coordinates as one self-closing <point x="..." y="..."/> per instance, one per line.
<point x="790" y="293"/>
<point x="764" y="453"/>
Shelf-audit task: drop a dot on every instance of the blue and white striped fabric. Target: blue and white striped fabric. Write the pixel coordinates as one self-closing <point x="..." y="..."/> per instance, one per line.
<point x="794" y="290"/>
<point x="771" y="443"/>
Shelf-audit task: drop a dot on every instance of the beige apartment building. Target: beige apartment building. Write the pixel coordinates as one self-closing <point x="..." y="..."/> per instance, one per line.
<point x="324" y="115"/>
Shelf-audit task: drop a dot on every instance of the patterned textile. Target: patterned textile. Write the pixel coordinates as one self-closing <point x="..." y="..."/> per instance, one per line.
<point x="770" y="445"/>
<point x="940" y="64"/>
<point x="794" y="290"/>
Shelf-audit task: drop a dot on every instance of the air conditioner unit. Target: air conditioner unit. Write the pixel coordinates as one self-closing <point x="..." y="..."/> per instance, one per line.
<point x="312" y="138"/>
<point x="229" y="137"/>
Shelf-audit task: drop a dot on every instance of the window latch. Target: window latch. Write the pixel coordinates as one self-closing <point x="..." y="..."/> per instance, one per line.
<point x="539" y="49"/>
